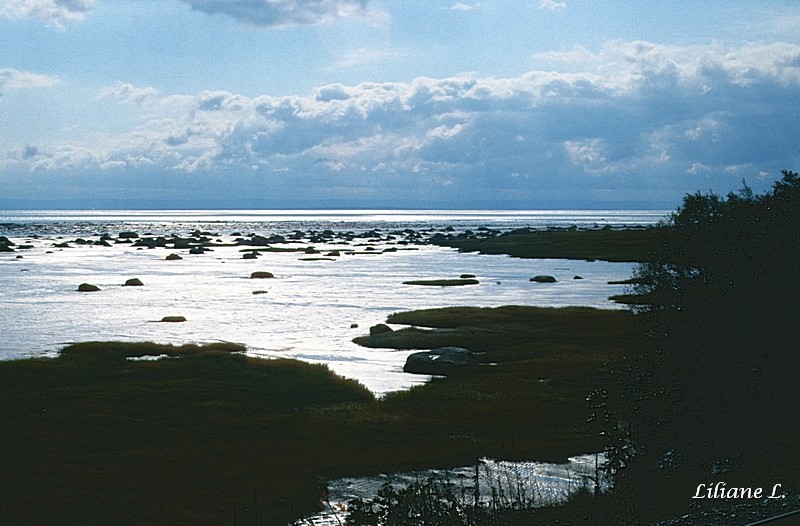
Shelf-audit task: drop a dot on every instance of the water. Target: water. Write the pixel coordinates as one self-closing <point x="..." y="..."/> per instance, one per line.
<point x="308" y="311"/>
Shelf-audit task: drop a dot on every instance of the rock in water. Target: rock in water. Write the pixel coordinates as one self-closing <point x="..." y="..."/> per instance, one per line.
<point x="134" y="282"/>
<point x="379" y="329"/>
<point x="87" y="287"/>
<point x="439" y="361"/>
<point x="173" y="319"/>
<point x="173" y="257"/>
<point x="261" y="275"/>
<point x="543" y="279"/>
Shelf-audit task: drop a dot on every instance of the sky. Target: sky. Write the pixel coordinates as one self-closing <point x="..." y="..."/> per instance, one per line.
<point x="266" y="104"/>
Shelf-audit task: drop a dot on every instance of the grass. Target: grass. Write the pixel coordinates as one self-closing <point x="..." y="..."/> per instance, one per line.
<point x="610" y="245"/>
<point x="442" y="282"/>
<point x="96" y="437"/>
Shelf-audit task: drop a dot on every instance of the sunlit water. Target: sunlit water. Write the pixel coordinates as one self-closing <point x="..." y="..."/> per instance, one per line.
<point x="311" y="310"/>
<point x="530" y="484"/>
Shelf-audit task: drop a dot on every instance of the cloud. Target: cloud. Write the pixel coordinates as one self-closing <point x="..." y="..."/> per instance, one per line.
<point x="129" y="93"/>
<point x="552" y="5"/>
<point x="460" y="6"/>
<point x="630" y="120"/>
<point x="58" y="13"/>
<point x="276" y="13"/>
<point x="16" y="79"/>
<point x="363" y="57"/>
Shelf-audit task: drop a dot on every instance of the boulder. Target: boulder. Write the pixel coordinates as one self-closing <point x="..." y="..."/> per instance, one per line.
<point x="379" y="329"/>
<point x="261" y="275"/>
<point x="173" y="257"/>
<point x="439" y="361"/>
<point x="128" y="235"/>
<point x="173" y="319"/>
<point x="543" y="279"/>
<point x="87" y="287"/>
<point x="134" y="282"/>
<point x="257" y="292"/>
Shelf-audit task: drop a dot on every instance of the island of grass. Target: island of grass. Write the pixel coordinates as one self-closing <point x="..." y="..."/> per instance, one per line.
<point x="624" y="245"/>
<point x="442" y="282"/>
<point x="139" y="433"/>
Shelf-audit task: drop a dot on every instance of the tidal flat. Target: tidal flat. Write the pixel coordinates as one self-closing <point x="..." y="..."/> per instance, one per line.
<point x="196" y="434"/>
<point x="147" y="433"/>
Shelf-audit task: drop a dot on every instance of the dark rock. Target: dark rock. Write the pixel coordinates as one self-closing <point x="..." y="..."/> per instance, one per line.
<point x="128" y="235"/>
<point x="544" y="279"/>
<point x="379" y="329"/>
<point x="439" y="361"/>
<point x="87" y="287"/>
<point x="261" y="275"/>
<point x="134" y="282"/>
<point x="257" y="292"/>
<point x="467" y="276"/>
<point x="173" y="257"/>
<point x="250" y="255"/>
<point x="578" y="277"/>
<point x="354" y="325"/>
<point x="173" y="319"/>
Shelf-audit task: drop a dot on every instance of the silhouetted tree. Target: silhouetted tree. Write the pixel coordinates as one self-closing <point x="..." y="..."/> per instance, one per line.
<point x="718" y="389"/>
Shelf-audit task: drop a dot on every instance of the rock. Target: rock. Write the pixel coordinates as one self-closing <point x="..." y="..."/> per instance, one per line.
<point x="173" y="257"/>
<point x="577" y="277"/>
<point x="173" y="319"/>
<point x="439" y="361"/>
<point x="134" y="282"/>
<point x="128" y="235"/>
<point x="354" y="325"/>
<point x="467" y="276"/>
<point x="261" y="275"/>
<point x="543" y="279"/>
<point x="334" y="254"/>
<point x="87" y="287"/>
<point x="257" y="292"/>
<point x="250" y="255"/>
<point x="379" y="329"/>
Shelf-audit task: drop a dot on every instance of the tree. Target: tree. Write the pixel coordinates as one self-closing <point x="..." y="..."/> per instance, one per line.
<point x="717" y="390"/>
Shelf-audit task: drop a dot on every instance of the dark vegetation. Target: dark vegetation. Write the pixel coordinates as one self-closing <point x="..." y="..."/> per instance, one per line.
<point x="713" y="397"/>
<point x="606" y="244"/>
<point x="205" y="434"/>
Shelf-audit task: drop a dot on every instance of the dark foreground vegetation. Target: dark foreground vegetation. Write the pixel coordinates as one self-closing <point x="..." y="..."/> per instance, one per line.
<point x="714" y="396"/>
<point x="205" y="435"/>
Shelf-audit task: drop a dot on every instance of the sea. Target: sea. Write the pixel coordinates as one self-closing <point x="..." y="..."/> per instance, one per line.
<point x="351" y="278"/>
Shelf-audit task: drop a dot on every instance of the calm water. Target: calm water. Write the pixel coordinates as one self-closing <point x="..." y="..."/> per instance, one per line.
<point x="307" y="311"/>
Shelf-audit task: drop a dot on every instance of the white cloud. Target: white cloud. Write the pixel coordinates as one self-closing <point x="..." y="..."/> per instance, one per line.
<point x="460" y="6"/>
<point x="642" y="113"/>
<point x="276" y="13"/>
<point x="59" y="13"/>
<point x="16" y="79"/>
<point x="128" y="93"/>
<point x="552" y="5"/>
<point x="363" y="57"/>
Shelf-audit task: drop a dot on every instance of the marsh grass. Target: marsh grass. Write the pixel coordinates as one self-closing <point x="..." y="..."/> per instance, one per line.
<point x="99" y="435"/>
<point x="606" y="244"/>
<point x="442" y="282"/>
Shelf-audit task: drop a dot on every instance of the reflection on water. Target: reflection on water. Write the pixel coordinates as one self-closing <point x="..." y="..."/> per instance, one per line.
<point x="532" y="483"/>
<point x="311" y="309"/>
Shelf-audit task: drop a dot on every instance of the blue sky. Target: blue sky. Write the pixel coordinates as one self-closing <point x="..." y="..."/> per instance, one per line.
<point x="372" y="104"/>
